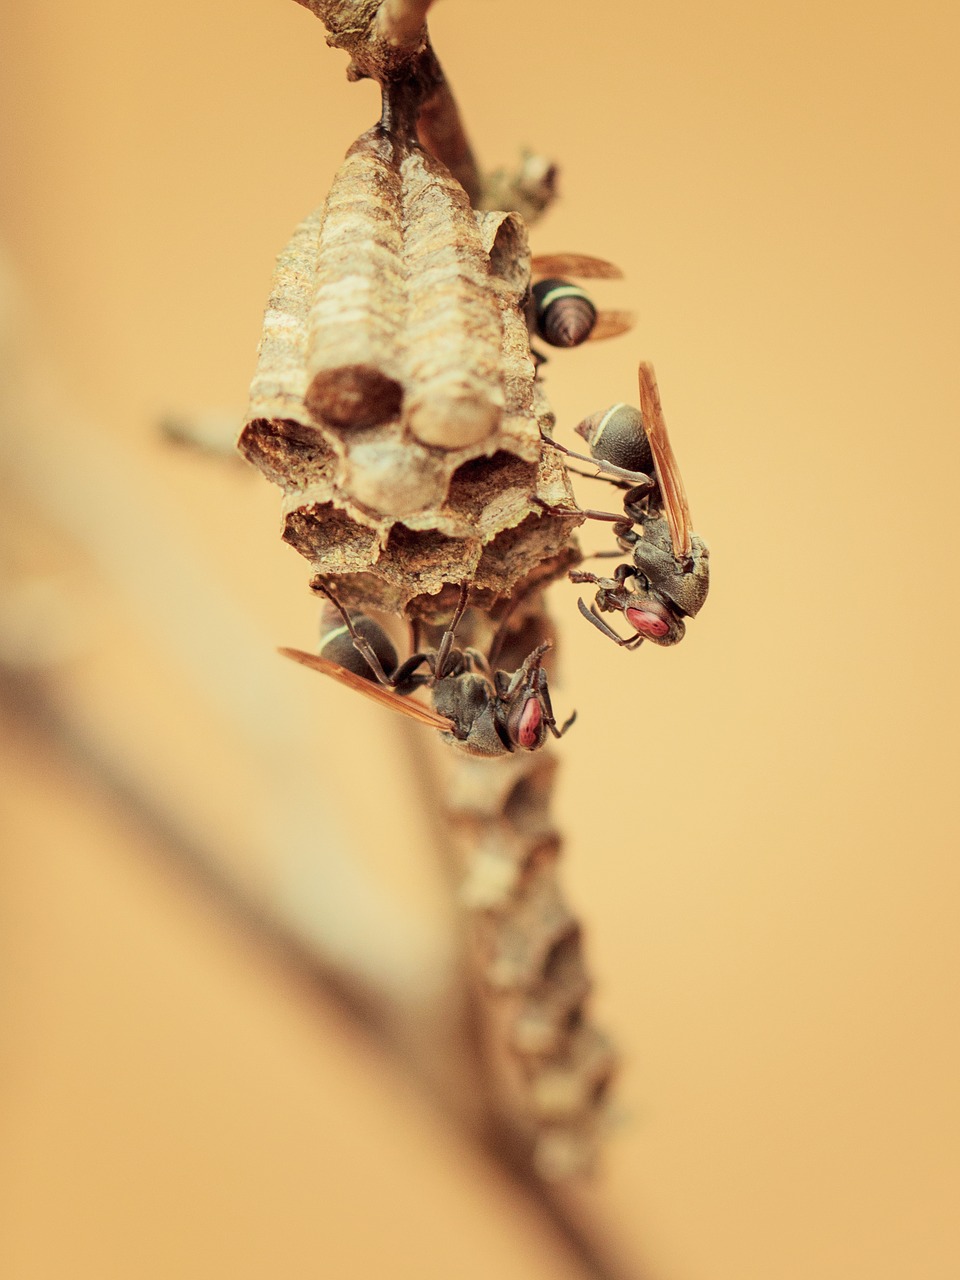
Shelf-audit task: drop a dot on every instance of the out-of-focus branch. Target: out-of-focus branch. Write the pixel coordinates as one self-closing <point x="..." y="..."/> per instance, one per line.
<point x="93" y="487"/>
<point x="110" y="510"/>
<point x="528" y="189"/>
<point x="213" y="433"/>
<point x="32" y="700"/>
<point x="303" y="967"/>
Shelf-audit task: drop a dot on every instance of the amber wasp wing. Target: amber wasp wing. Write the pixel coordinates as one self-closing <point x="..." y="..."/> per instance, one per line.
<point x="675" y="505"/>
<point x="386" y="698"/>
<point x="574" y="264"/>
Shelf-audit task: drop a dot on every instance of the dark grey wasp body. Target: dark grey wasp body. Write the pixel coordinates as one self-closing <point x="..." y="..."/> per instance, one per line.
<point x="668" y="575"/>
<point x="483" y="713"/>
<point x="616" y="435"/>
<point x="656" y="591"/>
<point x="563" y="313"/>
<point x="491" y="721"/>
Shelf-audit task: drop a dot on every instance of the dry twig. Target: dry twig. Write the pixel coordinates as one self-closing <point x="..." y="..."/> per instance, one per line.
<point x="397" y="405"/>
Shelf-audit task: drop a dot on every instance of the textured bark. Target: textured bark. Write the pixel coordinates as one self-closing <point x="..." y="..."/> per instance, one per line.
<point x="396" y="403"/>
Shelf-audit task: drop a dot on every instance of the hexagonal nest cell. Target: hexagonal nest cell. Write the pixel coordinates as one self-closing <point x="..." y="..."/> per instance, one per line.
<point x="290" y="454"/>
<point x="329" y="538"/>
<point x="480" y="486"/>
<point x="418" y="559"/>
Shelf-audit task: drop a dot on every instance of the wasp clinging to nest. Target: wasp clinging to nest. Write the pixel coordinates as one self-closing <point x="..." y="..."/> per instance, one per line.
<point x="483" y="712"/>
<point x="668" y="574"/>
<point x="563" y="314"/>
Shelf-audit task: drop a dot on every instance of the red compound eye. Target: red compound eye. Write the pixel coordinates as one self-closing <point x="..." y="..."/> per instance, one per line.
<point x="528" y="731"/>
<point x="651" y="621"/>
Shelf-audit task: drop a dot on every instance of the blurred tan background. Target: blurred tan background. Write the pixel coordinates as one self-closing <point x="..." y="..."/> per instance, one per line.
<point x="762" y="823"/>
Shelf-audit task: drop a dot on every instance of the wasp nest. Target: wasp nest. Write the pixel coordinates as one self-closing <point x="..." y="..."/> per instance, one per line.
<point x="395" y="399"/>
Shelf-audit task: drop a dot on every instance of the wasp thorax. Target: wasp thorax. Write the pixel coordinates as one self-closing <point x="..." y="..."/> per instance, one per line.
<point x="563" y="314"/>
<point x="684" y="585"/>
<point x="616" y="435"/>
<point x="468" y="701"/>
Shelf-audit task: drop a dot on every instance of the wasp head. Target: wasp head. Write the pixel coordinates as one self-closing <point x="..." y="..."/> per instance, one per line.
<point x="496" y="717"/>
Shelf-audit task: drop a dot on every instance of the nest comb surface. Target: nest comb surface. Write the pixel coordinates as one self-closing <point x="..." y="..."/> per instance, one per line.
<point x="395" y="399"/>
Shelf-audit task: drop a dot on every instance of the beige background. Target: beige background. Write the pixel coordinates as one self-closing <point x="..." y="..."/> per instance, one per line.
<point x="762" y="823"/>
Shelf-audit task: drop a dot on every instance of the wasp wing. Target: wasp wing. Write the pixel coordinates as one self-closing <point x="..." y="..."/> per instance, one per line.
<point x="406" y="706"/>
<point x="610" y="324"/>
<point x="574" y="264"/>
<point x="676" y="507"/>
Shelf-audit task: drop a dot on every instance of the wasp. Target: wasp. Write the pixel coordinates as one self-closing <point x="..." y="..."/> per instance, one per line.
<point x="483" y="712"/>
<point x="563" y="314"/>
<point x="668" y="575"/>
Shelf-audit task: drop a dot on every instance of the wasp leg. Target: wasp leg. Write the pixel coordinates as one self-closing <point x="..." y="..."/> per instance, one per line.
<point x="591" y="615"/>
<point x="414" y="625"/>
<point x="624" y="571"/>
<point x="360" y="643"/>
<point x="478" y="662"/>
<point x="503" y="626"/>
<point x="624" y="522"/>
<point x="628" y="482"/>
<point x="640" y="479"/>
<point x="555" y="511"/>
<point x="591" y="475"/>
<point x="404" y="678"/>
<point x="446" y="642"/>
<point x="549" y="718"/>
<point x="609" y="516"/>
<point x="604" y="555"/>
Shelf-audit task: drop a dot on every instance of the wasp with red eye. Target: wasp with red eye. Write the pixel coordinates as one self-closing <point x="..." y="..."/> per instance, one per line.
<point x="482" y="712"/>
<point x="669" y="575"/>
<point x="563" y="314"/>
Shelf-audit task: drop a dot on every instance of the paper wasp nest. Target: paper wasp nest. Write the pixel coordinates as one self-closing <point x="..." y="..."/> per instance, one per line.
<point x="395" y="399"/>
<point x="395" y="402"/>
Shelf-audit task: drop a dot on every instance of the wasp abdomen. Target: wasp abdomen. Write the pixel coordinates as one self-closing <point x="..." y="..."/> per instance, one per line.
<point x="563" y="313"/>
<point x="617" y="435"/>
<point x="336" y="643"/>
